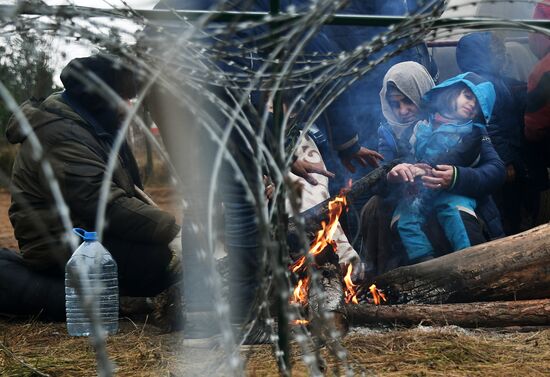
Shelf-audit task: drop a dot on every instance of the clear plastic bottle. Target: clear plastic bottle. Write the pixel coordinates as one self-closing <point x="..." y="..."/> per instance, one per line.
<point x="95" y="268"/>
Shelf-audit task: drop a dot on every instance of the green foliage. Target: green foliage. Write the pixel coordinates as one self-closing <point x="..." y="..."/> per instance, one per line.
<point x="24" y="69"/>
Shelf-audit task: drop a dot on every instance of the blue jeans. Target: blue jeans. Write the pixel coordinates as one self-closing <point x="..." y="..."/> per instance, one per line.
<point x="241" y="232"/>
<point x="412" y="214"/>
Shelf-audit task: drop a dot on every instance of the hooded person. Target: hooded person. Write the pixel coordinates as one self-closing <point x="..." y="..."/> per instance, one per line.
<point x="485" y="54"/>
<point x="459" y="108"/>
<point x="76" y="129"/>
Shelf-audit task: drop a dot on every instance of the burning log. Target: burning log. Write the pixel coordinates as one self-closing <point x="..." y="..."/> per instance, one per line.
<point x="515" y="267"/>
<point x="319" y="289"/>
<point x="478" y="314"/>
<point x="326" y="302"/>
<point x="315" y="215"/>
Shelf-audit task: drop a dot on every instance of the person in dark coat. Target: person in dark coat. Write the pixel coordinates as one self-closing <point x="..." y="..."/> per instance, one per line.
<point x="379" y="250"/>
<point x="76" y="129"/>
<point x="537" y="113"/>
<point x="458" y="110"/>
<point x="484" y="53"/>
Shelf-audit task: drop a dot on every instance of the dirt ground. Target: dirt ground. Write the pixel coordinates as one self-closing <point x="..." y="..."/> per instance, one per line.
<point x="32" y="348"/>
<point x="6" y="231"/>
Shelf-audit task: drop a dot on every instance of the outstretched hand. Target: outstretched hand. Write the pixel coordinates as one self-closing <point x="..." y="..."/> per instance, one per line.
<point x="364" y="157"/>
<point x="407" y="172"/>
<point x="304" y="169"/>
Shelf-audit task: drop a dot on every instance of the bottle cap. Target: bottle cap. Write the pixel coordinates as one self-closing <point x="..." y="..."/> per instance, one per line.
<point x="87" y="236"/>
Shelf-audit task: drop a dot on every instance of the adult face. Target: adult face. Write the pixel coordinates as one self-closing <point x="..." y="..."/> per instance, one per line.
<point x="403" y="108"/>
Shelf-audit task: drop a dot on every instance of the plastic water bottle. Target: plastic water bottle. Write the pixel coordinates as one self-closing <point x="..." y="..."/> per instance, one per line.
<point x="96" y="270"/>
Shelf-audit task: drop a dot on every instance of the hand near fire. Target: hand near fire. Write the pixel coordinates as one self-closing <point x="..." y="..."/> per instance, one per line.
<point x="408" y="172"/>
<point x="304" y="169"/>
<point x="269" y="188"/>
<point x="364" y="157"/>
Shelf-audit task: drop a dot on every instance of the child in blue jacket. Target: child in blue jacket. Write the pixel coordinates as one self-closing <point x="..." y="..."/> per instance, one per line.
<point x="459" y="108"/>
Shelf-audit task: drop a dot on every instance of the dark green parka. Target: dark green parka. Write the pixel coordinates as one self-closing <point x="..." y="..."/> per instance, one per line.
<point x="78" y="154"/>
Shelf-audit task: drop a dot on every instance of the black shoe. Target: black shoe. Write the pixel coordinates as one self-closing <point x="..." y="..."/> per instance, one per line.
<point x="168" y="308"/>
<point x="135" y="307"/>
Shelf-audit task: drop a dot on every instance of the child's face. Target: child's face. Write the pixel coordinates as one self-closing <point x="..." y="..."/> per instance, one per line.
<point x="466" y="105"/>
<point x="403" y="108"/>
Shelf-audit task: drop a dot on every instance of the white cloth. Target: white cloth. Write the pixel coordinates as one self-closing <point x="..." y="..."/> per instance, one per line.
<point x="313" y="195"/>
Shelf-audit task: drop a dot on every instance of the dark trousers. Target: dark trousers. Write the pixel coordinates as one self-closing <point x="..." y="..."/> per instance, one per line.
<point x="142" y="268"/>
<point x="242" y="243"/>
<point x="26" y="292"/>
<point x="142" y="272"/>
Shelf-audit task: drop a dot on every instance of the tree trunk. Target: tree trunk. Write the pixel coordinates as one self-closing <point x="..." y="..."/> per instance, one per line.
<point x="515" y="267"/>
<point x="478" y="314"/>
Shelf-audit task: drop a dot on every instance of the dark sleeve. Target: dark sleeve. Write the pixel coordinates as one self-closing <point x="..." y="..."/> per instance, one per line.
<point x="483" y="179"/>
<point x="537" y="127"/>
<point x="506" y="125"/>
<point x="81" y="171"/>
<point x="384" y="147"/>
<point x="465" y="153"/>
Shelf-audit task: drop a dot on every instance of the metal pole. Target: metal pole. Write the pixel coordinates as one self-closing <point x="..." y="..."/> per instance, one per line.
<point x="66" y="11"/>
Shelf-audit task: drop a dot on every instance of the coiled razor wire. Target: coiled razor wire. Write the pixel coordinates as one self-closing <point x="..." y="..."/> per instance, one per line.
<point x="268" y="60"/>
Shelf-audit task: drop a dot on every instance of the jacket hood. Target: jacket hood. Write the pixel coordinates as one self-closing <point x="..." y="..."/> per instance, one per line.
<point x="482" y="89"/>
<point x="39" y="114"/>
<point x="474" y="54"/>
<point x="413" y="80"/>
<point x="93" y="87"/>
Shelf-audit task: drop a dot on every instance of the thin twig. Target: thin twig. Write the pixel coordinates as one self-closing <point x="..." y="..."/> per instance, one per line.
<point x="8" y="352"/>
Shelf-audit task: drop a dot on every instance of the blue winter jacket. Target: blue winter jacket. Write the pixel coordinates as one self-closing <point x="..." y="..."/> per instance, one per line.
<point x="487" y="173"/>
<point x="392" y="147"/>
<point x="453" y="144"/>
<point x="480" y="179"/>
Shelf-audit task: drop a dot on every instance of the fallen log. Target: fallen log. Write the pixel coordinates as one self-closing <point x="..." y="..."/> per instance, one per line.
<point x="515" y="267"/>
<point x="477" y="314"/>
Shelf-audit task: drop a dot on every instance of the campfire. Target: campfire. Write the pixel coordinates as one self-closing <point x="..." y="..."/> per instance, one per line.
<point x="323" y="250"/>
<point x="505" y="282"/>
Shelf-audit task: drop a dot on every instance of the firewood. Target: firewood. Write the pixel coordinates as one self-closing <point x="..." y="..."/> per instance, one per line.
<point x="477" y="314"/>
<point x="368" y="184"/>
<point x="326" y="302"/>
<point x="515" y="267"/>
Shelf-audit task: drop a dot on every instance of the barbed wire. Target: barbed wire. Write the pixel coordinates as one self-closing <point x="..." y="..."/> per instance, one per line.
<point x="187" y="53"/>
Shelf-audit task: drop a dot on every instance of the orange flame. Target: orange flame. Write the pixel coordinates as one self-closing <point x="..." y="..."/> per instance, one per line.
<point x="324" y="236"/>
<point x="351" y="292"/>
<point x="300" y="291"/>
<point x="377" y="295"/>
<point x="300" y="322"/>
<point x="322" y="240"/>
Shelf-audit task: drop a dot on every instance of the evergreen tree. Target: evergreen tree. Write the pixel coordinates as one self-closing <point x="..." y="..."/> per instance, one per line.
<point x="24" y="70"/>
